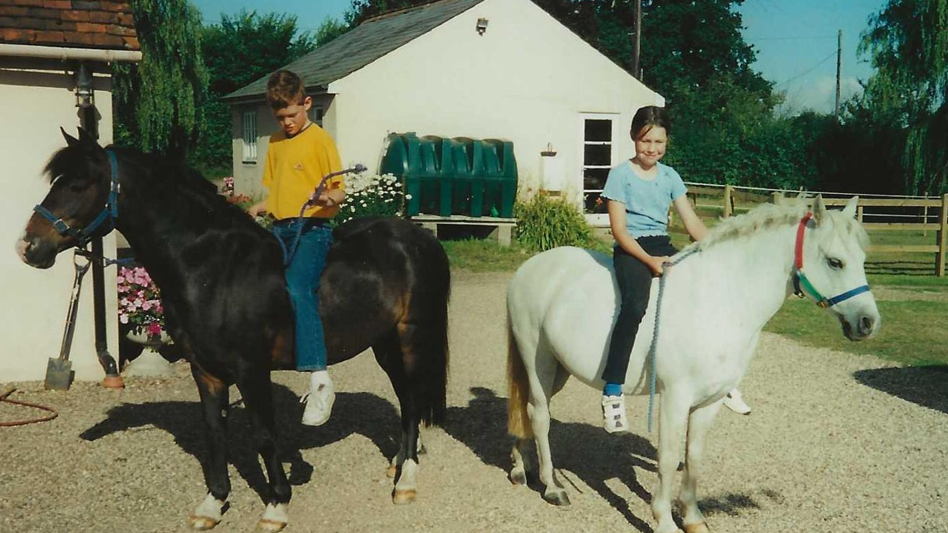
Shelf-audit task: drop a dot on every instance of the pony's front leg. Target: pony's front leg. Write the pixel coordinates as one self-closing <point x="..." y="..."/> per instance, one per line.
<point x="673" y="420"/>
<point x="214" y="399"/>
<point x="699" y="423"/>
<point x="257" y="392"/>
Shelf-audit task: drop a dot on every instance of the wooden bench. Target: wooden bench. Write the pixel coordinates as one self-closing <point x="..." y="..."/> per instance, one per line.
<point x="503" y="227"/>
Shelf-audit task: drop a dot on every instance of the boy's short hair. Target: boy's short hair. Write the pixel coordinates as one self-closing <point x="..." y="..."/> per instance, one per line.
<point x="285" y="88"/>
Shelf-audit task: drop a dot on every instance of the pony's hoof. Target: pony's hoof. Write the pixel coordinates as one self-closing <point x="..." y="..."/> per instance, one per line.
<point x="560" y="499"/>
<point x="269" y="526"/>
<point x="202" y="523"/>
<point x="402" y="497"/>
<point x="518" y="477"/>
<point x="113" y="382"/>
<point x="391" y="471"/>
<point x="700" y="527"/>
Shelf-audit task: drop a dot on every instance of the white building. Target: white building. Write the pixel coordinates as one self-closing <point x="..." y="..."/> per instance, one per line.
<point x="500" y="69"/>
<point x="41" y="48"/>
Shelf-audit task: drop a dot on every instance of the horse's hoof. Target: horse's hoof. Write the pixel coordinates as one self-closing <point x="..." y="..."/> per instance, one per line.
<point x="269" y="526"/>
<point x="401" y="497"/>
<point x="518" y="478"/>
<point x="391" y="471"/>
<point x="700" y="527"/>
<point x="202" y="523"/>
<point x="560" y="499"/>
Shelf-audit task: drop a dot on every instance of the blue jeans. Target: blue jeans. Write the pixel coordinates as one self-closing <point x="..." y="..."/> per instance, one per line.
<point x="302" y="283"/>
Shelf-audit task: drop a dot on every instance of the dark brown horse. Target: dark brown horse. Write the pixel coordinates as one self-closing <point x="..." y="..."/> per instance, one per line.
<point x="385" y="286"/>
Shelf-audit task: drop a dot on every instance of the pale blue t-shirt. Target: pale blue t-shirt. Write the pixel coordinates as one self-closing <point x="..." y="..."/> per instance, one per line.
<point x="646" y="202"/>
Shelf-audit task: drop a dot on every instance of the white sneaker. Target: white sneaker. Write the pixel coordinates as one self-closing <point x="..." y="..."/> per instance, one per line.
<point x="735" y="403"/>
<point x="613" y="414"/>
<point x="319" y="400"/>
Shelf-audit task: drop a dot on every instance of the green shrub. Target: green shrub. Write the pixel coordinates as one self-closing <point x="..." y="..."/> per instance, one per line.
<point x="544" y="223"/>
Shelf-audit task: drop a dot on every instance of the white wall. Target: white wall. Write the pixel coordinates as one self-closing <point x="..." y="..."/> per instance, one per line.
<point x="528" y="79"/>
<point x="36" y="99"/>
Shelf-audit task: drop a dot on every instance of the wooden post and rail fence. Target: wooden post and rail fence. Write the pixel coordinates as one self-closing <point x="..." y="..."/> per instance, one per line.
<point x="729" y="200"/>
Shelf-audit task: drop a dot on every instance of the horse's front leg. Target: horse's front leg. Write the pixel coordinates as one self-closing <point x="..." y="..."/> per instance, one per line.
<point x="257" y="392"/>
<point x="673" y="419"/>
<point x="699" y="423"/>
<point x="214" y="399"/>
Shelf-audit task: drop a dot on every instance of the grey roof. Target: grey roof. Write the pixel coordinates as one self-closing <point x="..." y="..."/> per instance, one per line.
<point x="369" y="41"/>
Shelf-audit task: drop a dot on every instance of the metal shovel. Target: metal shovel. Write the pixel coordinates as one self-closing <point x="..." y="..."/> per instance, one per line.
<point x="59" y="372"/>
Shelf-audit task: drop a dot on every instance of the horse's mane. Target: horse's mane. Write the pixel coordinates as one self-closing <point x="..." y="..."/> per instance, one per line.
<point x="767" y="216"/>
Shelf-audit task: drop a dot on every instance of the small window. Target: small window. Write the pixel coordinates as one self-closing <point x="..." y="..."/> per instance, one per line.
<point x="597" y="160"/>
<point x="316" y="115"/>
<point x="250" y="136"/>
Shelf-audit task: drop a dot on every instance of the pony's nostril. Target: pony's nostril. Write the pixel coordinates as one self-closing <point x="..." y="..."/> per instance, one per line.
<point x="866" y="324"/>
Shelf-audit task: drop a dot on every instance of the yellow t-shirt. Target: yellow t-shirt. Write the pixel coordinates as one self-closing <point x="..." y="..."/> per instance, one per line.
<point x="294" y="168"/>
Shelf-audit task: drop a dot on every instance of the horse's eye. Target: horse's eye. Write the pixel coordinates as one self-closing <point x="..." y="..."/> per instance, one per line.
<point x="835" y="263"/>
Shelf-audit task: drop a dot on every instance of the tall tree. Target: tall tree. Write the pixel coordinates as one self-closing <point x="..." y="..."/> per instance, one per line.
<point x="158" y="101"/>
<point x="908" y="44"/>
<point x="240" y="49"/>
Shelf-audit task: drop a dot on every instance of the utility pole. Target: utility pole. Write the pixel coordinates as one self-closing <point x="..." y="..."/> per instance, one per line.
<point x="636" y="44"/>
<point x="839" y="60"/>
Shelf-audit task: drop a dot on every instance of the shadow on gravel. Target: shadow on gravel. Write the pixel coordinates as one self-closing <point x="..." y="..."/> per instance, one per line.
<point x="353" y="413"/>
<point x="922" y="385"/>
<point x="580" y="450"/>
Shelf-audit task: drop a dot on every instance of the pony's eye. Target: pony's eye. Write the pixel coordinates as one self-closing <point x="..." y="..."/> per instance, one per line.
<point x="835" y="263"/>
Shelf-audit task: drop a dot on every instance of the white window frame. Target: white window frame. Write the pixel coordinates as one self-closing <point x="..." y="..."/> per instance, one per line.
<point x="595" y="219"/>
<point x="249" y="137"/>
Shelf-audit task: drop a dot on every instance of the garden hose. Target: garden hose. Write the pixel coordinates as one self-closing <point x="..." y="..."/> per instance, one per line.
<point x="4" y="397"/>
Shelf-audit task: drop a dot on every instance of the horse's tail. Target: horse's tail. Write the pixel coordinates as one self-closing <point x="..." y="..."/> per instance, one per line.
<point x="518" y="388"/>
<point x="431" y="373"/>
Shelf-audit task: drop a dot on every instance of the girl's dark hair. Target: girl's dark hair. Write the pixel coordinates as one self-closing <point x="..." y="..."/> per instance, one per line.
<point x="647" y="118"/>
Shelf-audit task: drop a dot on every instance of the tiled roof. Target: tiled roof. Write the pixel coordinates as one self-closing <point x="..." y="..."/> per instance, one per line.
<point x="357" y="48"/>
<point x="68" y="23"/>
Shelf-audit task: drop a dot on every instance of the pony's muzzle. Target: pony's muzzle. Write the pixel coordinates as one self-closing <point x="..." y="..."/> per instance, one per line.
<point x="36" y="251"/>
<point x="864" y="326"/>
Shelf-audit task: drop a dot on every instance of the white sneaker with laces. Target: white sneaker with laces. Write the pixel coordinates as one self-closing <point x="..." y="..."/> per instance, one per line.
<point x="318" y="400"/>
<point x="735" y="403"/>
<point x="613" y="414"/>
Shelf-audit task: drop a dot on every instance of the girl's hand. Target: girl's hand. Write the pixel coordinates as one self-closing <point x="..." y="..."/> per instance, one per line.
<point x="656" y="264"/>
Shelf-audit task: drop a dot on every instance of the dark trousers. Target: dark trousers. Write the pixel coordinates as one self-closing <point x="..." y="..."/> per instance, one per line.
<point x="635" y="280"/>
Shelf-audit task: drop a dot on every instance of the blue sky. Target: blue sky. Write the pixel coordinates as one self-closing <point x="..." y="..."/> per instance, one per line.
<point x="795" y="40"/>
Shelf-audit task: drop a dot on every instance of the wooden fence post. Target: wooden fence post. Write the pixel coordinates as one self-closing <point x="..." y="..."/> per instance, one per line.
<point x="925" y="216"/>
<point x="859" y="209"/>
<point x="943" y="226"/>
<point x="776" y="197"/>
<point x="727" y="201"/>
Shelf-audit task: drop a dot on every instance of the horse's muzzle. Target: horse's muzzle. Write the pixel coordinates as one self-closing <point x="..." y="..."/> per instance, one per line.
<point x="36" y="252"/>
<point x="863" y="327"/>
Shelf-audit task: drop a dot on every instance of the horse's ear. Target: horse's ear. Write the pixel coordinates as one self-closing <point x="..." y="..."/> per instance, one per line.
<point x="87" y="138"/>
<point x="850" y="209"/>
<point x="71" y="141"/>
<point x="819" y="209"/>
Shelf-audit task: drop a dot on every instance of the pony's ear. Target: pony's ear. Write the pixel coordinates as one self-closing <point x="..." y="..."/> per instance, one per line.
<point x="86" y="138"/>
<point x="819" y="209"/>
<point x="71" y="141"/>
<point x="850" y="209"/>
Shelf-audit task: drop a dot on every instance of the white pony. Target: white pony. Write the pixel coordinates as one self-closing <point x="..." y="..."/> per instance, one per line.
<point x="561" y="306"/>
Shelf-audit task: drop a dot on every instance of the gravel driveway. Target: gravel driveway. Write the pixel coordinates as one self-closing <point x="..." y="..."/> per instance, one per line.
<point x="836" y="443"/>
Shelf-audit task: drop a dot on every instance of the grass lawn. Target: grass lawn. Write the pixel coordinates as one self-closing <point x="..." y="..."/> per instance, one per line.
<point x="913" y="332"/>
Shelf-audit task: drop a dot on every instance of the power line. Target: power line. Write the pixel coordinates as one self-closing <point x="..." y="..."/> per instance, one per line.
<point x="809" y="70"/>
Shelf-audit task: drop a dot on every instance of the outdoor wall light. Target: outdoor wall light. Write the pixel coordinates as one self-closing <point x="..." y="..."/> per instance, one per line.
<point x="85" y="95"/>
<point x="481" y="26"/>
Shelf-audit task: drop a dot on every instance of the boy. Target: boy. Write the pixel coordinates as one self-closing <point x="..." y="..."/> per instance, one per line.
<point x="297" y="159"/>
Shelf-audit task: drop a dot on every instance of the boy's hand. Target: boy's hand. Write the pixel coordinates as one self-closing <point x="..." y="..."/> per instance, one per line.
<point x="323" y="199"/>
<point x="256" y="209"/>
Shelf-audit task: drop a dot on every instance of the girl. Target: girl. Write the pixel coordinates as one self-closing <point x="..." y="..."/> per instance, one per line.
<point x="639" y="192"/>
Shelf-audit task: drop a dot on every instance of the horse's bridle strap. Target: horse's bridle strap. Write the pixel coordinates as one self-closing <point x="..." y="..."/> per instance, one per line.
<point x="802" y="285"/>
<point x="108" y="214"/>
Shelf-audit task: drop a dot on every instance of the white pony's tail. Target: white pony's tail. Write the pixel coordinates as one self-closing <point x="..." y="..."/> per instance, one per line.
<point x="518" y="386"/>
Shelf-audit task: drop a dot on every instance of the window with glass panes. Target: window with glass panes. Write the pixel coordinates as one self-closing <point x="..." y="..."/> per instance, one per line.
<point x="597" y="160"/>
<point x="316" y="115"/>
<point x="250" y="136"/>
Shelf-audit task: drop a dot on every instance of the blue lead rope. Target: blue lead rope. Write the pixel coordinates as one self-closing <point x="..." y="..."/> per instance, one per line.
<point x="653" y="349"/>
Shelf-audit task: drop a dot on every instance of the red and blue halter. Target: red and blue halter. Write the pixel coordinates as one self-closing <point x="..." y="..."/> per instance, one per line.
<point x="802" y="286"/>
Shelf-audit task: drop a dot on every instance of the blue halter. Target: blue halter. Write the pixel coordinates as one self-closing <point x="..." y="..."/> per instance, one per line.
<point x="109" y="213"/>
<point x="802" y="285"/>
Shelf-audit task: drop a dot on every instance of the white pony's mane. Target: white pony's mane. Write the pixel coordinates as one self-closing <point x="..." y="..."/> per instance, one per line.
<point x="767" y="216"/>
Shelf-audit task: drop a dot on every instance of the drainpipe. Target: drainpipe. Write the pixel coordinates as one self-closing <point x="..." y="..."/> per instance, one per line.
<point x="69" y="54"/>
<point x="89" y="121"/>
